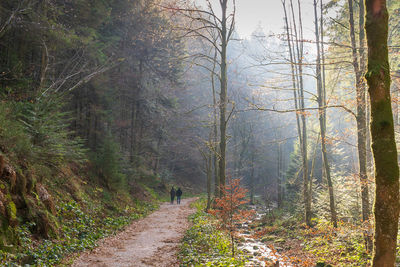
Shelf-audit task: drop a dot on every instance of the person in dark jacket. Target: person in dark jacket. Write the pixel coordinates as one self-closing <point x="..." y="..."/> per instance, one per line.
<point x="178" y="195"/>
<point x="172" y="192"/>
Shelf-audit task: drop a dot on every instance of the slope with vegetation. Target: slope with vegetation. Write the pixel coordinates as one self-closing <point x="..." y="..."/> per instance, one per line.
<point x="86" y="91"/>
<point x="105" y="104"/>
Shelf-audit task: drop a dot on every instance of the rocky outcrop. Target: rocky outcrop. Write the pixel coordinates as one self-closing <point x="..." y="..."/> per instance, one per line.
<point x="1" y="165"/>
<point x="9" y="175"/>
<point x="2" y="205"/>
<point x="22" y="199"/>
<point x="46" y="198"/>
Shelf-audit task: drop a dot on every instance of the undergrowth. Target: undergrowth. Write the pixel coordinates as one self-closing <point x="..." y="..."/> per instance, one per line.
<point x="321" y="244"/>
<point x="343" y="246"/>
<point x="204" y="244"/>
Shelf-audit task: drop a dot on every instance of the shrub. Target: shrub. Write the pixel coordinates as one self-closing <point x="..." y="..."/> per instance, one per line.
<point x="228" y="209"/>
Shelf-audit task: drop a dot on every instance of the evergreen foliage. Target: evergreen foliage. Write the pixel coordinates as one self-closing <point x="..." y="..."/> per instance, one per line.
<point x="107" y="164"/>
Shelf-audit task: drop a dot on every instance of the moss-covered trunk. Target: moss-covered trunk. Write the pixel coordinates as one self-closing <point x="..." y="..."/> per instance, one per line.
<point x="386" y="207"/>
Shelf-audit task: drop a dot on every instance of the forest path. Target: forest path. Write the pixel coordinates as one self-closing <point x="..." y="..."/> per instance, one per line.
<point x="151" y="241"/>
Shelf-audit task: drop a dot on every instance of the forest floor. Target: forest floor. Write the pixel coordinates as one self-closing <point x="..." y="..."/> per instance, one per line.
<point x="151" y="241"/>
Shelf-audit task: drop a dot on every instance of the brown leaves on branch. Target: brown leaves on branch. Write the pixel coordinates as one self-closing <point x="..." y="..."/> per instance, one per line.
<point x="229" y="210"/>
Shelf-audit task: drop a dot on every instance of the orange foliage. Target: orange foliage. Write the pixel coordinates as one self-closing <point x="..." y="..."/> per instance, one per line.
<point x="229" y="208"/>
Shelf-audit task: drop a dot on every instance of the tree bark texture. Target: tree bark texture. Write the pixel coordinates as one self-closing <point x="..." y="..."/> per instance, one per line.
<point x="386" y="207"/>
<point x="322" y="122"/>
<point x="359" y="66"/>
<point x="223" y="96"/>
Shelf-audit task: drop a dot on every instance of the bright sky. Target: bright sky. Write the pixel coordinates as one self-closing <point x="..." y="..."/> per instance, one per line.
<point x="251" y="13"/>
<point x="267" y="13"/>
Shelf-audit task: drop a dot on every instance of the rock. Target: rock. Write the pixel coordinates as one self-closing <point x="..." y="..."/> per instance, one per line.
<point x="2" y="209"/>
<point x="268" y="238"/>
<point x="3" y="203"/>
<point x="322" y="264"/>
<point x="267" y="260"/>
<point x="9" y="175"/>
<point x="246" y="251"/>
<point x="46" y="198"/>
<point x="12" y="213"/>
<point x="1" y="165"/>
<point x="2" y="197"/>
<point x="43" y="224"/>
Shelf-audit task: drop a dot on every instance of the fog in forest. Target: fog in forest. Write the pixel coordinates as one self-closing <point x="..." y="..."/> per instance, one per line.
<point x="276" y="121"/>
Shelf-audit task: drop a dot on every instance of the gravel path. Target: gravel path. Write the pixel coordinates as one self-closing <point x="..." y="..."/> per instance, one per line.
<point x="151" y="241"/>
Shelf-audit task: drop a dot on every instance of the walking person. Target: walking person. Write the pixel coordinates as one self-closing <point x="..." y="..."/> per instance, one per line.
<point x="172" y="192"/>
<point x="178" y="195"/>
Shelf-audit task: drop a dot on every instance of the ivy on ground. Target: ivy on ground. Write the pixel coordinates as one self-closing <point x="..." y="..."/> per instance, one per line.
<point x="80" y="230"/>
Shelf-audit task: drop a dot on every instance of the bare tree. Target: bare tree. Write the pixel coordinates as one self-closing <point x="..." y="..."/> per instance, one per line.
<point x="296" y="52"/>
<point x="223" y="25"/>
<point x="322" y="118"/>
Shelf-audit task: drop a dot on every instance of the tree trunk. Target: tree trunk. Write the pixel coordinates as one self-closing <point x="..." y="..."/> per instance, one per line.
<point x="300" y="86"/>
<point x="314" y="157"/>
<point x="322" y="123"/>
<point x="215" y="133"/>
<point x="252" y="176"/>
<point x="134" y="150"/>
<point x="279" y="176"/>
<point x="223" y="96"/>
<point x="209" y="176"/>
<point x="386" y="208"/>
<point x="296" y="58"/>
<point x="361" y="113"/>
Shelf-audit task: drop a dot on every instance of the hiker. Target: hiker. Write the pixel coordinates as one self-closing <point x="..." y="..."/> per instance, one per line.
<point x="178" y="195"/>
<point x="172" y="192"/>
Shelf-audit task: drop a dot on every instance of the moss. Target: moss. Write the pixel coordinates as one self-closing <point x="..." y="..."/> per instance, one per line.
<point x="30" y="183"/>
<point x="8" y="237"/>
<point x="11" y="210"/>
<point x="382" y="130"/>
<point x="21" y="182"/>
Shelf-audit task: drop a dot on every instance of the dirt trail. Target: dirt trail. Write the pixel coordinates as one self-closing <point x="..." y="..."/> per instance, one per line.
<point x="151" y="241"/>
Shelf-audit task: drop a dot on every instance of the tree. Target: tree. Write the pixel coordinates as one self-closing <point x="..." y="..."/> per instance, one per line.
<point x="387" y="206"/>
<point x="229" y="209"/>
<point x="322" y="116"/>
<point x="217" y="31"/>
<point x="359" y="70"/>
<point x="296" y="53"/>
